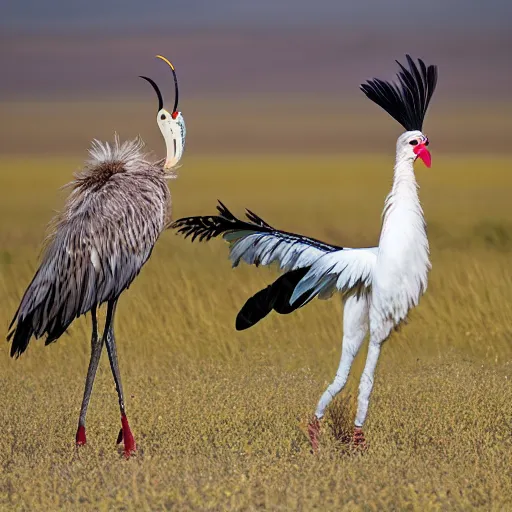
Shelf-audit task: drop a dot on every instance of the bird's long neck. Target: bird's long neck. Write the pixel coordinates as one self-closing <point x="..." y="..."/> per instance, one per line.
<point x="403" y="256"/>
<point x="402" y="203"/>
<point x="174" y="143"/>
<point x="173" y="153"/>
<point x="403" y="245"/>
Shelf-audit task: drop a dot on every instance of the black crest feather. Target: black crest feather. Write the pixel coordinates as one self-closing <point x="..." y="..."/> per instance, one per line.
<point x="406" y="101"/>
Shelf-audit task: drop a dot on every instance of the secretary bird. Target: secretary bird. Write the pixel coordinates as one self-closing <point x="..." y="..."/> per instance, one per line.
<point x="380" y="284"/>
<point x="118" y="206"/>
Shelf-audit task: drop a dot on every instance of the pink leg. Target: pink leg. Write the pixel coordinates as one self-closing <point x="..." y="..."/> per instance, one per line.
<point x="80" y="436"/>
<point x="127" y="436"/>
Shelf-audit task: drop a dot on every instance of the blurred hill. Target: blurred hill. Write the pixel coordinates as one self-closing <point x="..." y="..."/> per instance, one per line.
<point x="242" y="61"/>
<point x="249" y="89"/>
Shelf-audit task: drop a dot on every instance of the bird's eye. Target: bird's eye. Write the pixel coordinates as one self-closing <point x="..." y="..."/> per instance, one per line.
<point x="427" y="142"/>
<point x="162" y="117"/>
<point x="413" y="142"/>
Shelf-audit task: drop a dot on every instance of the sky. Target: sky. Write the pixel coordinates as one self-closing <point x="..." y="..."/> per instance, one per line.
<point x="27" y="15"/>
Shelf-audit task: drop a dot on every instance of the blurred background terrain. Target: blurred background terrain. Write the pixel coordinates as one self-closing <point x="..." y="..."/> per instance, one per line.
<point x="264" y="77"/>
<point x="275" y="123"/>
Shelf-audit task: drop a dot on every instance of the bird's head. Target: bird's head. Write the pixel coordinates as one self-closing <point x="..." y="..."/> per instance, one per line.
<point x="171" y="124"/>
<point x="413" y="145"/>
<point x="407" y="101"/>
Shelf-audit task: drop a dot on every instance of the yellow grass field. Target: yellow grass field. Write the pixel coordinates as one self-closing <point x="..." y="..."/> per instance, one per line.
<point x="219" y="416"/>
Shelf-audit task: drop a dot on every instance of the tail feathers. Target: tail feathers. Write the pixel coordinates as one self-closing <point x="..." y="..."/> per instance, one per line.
<point x="274" y="297"/>
<point x="32" y="325"/>
<point x="56" y="333"/>
<point x="58" y="325"/>
<point x="255" y="309"/>
<point x="20" y="335"/>
<point x="40" y="313"/>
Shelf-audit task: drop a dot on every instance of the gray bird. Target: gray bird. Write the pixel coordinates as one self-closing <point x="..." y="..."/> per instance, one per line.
<point x="118" y="206"/>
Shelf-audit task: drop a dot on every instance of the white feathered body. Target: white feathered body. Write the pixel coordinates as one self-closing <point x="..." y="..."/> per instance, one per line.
<point x="379" y="284"/>
<point x="388" y="279"/>
<point x="402" y="264"/>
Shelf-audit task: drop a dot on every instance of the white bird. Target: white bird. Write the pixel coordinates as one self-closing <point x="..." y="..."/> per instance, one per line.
<point x="379" y="284"/>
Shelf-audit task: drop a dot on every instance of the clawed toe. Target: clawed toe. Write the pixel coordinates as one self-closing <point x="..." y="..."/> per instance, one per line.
<point x="358" y="440"/>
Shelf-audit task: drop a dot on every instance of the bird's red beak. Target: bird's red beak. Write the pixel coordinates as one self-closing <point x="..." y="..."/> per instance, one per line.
<point x="422" y="152"/>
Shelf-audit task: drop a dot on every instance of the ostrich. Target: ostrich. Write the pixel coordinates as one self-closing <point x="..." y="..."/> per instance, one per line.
<point x="379" y="284"/>
<point x="118" y="206"/>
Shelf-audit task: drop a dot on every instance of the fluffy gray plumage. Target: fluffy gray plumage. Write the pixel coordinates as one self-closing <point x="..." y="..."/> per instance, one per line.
<point x="118" y="206"/>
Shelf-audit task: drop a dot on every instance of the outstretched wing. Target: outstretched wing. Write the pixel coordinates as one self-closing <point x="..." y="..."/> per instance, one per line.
<point x="348" y="271"/>
<point x="255" y="242"/>
<point x="313" y="268"/>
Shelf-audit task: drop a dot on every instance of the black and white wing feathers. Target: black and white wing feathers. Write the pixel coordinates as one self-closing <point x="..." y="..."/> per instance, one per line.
<point x="255" y="242"/>
<point x="348" y="272"/>
<point x="312" y="268"/>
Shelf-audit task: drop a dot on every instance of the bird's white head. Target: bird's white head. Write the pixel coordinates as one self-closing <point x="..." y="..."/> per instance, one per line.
<point x="412" y="145"/>
<point x="171" y="124"/>
<point x="407" y="101"/>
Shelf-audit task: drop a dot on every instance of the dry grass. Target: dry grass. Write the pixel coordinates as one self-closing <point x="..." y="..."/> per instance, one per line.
<point x="220" y="416"/>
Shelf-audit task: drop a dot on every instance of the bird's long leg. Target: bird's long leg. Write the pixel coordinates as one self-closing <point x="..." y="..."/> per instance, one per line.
<point x="365" y="389"/>
<point x="127" y="436"/>
<point x="96" y="348"/>
<point x="355" y="327"/>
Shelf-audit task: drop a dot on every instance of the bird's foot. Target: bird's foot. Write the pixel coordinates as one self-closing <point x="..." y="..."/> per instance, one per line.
<point x="80" y="436"/>
<point x="125" y="434"/>
<point x="314" y="433"/>
<point x="358" y="440"/>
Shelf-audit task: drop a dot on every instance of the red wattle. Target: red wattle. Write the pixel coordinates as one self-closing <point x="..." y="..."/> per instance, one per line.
<point x="422" y="152"/>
